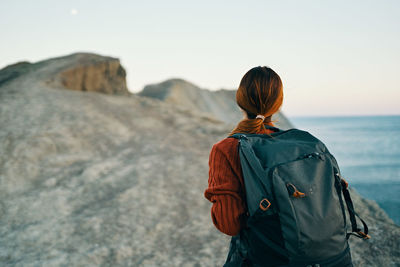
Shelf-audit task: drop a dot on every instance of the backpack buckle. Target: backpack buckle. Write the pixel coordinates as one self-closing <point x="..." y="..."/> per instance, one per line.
<point x="265" y="204"/>
<point x="344" y="183"/>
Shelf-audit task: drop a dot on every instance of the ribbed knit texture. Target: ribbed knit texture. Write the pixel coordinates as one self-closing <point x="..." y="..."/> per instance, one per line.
<point x="226" y="186"/>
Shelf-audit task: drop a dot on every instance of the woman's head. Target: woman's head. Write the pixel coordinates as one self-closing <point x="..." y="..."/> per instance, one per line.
<point x="260" y="93"/>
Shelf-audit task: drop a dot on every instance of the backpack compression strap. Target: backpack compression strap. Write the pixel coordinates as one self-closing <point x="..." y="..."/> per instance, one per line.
<point x="349" y="203"/>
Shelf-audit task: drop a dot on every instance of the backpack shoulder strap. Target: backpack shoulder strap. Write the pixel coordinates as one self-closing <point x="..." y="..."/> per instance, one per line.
<point x="257" y="188"/>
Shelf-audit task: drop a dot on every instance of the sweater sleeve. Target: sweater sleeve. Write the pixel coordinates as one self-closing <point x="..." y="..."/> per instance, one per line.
<point x="225" y="187"/>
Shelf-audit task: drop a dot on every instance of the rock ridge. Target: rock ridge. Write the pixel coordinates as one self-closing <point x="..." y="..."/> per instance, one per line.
<point x="220" y="104"/>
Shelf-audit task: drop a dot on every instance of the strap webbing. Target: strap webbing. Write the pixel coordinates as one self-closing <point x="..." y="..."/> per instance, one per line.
<point x="350" y="207"/>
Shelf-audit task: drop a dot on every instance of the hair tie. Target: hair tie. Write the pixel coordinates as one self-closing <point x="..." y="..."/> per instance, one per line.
<point x="259" y="116"/>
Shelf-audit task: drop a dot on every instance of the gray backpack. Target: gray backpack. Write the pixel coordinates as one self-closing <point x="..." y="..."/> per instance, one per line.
<point x="295" y="198"/>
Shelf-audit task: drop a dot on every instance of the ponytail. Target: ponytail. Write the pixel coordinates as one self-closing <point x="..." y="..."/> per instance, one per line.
<point x="255" y="125"/>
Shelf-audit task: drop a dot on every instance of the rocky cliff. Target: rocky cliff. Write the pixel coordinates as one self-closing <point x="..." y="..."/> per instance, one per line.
<point x="95" y="179"/>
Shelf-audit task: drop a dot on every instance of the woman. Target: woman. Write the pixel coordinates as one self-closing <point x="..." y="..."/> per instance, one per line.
<point x="260" y="95"/>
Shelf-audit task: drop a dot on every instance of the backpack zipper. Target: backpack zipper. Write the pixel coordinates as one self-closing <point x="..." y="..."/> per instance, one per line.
<point x="305" y="156"/>
<point x="311" y="155"/>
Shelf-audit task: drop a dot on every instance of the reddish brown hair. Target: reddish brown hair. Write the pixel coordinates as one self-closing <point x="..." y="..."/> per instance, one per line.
<point x="260" y="93"/>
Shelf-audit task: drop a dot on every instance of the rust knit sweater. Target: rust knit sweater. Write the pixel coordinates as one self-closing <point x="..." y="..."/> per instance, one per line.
<point x="226" y="186"/>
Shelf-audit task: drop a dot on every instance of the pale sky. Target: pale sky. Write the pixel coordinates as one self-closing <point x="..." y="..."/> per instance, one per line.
<point x="334" y="57"/>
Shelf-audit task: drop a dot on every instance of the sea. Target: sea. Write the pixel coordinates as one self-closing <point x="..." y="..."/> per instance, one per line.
<point x="367" y="149"/>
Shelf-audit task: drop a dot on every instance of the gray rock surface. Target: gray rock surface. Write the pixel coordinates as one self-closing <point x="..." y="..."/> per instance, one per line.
<point x="90" y="179"/>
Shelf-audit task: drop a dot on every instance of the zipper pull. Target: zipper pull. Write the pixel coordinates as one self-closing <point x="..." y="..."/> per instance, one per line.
<point x="293" y="191"/>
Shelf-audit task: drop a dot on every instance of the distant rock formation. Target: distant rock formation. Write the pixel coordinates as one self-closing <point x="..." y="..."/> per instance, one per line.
<point x="79" y="71"/>
<point x="94" y="73"/>
<point x="94" y="179"/>
<point x="219" y="104"/>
